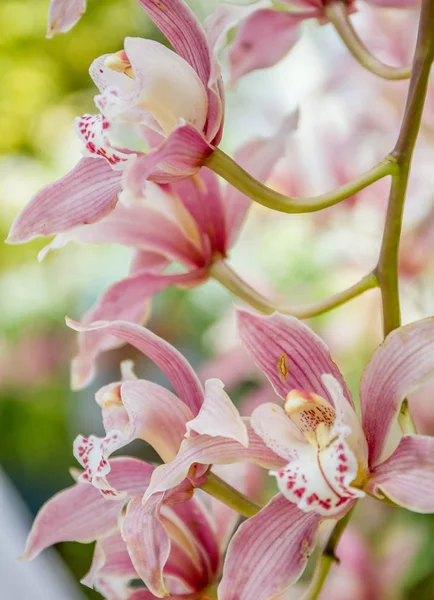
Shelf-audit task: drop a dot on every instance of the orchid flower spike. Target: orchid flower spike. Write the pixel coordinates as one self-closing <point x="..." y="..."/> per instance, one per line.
<point x="161" y="114"/>
<point x="332" y="458"/>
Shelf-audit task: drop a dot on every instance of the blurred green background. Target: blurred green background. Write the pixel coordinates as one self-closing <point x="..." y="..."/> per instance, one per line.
<point x="44" y="85"/>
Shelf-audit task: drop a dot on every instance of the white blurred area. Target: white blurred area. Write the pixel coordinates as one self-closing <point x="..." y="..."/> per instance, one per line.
<point x="44" y="578"/>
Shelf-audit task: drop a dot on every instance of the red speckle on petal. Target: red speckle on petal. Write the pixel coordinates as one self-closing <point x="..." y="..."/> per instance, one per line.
<point x="312" y="498"/>
<point x="299" y="492"/>
<point x="342" y="468"/>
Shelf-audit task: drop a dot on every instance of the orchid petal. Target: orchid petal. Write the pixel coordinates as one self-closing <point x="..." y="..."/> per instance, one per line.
<point x="165" y="356"/>
<point x="403" y="362"/>
<point x="407" y="476"/>
<point x="196" y="534"/>
<point x="319" y="479"/>
<point x="346" y="417"/>
<point x="81" y="513"/>
<point x="204" y="450"/>
<point x="271" y="424"/>
<point x="201" y="195"/>
<point x="168" y="87"/>
<point x="218" y="415"/>
<point x="258" y="157"/>
<point x="63" y="15"/>
<point x="110" y="560"/>
<point x="92" y="453"/>
<point x="180" y="155"/>
<point x="268" y="552"/>
<point x="148" y="544"/>
<point x="129" y="300"/>
<point x="141" y="224"/>
<point x="156" y="416"/>
<point x="85" y="195"/>
<point x="263" y="39"/>
<point x="140" y="410"/>
<point x="181" y="27"/>
<point x="289" y="353"/>
<point x="92" y="130"/>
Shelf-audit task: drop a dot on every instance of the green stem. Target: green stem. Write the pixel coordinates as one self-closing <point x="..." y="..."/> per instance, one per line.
<point x="337" y="13"/>
<point x="224" y="492"/>
<point x="327" y="558"/>
<point x="387" y="268"/>
<point x="231" y="171"/>
<point x="223" y="273"/>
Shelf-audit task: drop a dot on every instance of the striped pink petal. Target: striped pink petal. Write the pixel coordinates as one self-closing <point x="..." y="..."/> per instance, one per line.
<point x="141" y="224"/>
<point x="202" y="198"/>
<point x="165" y="356"/>
<point x="269" y="552"/>
<point x="218" y="416"/>
<point x="180" y="155"/>
<point x="181" y="27"/>
<point x="156" y="416"/>
<point x="63" y="15"/>
<point x="407" y="476"/>
<point x="263" y="39"/>
<point x="85" y="195"/>
<point x="290" y="354"/>
<point x="207" y="450"/>
<point x="148" y="544"/>
<point x="111" y="565"/>
<point x="80" y="513"/>
<point x="400" y="365"/>
<point x="127" y="300"/>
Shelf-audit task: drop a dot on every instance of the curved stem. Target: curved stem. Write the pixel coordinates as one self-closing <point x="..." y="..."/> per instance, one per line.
<point x="387" y="268"/>
<point x="231" y="171"/>
<point x="224" y="492"/>
<point x="337" y="14"/>
<point x="327" y="558"/>
<point x="223" y="273"/>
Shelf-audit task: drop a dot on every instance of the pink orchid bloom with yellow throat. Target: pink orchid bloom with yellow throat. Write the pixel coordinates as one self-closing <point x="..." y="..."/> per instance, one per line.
<point x="191" y="223"/>
<point x="179" y="554"/>
<point x="63" y="15"/>
<point x="332" y="458"/>
<point x="161" y="114"/>
<point x="167" y="540"/>
<point x="267" y="32"/>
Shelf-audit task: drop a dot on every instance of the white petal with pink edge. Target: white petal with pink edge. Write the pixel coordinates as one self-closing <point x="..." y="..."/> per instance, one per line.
<point x="167" y="86"/>
<point x="319" y="479"/>
<point x="218" y="415"/>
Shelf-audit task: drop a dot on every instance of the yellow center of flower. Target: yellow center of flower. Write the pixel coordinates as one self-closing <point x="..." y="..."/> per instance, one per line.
<point x="120" y="63"/>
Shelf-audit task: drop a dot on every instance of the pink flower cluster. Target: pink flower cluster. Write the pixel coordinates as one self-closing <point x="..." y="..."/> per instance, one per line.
<point x="143" y="183"/>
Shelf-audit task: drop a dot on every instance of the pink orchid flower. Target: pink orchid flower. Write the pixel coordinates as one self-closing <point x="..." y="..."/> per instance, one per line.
<point x="191" y="223"/>
<point x="265" y="35"/>
<point x="166" y="541"/>
<point x="192" y="430"/>
<point x="63" y="15"/>
<point x="170" y="103"/>
<point x="331" y="458"/>
<point x="180" y="553"/>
